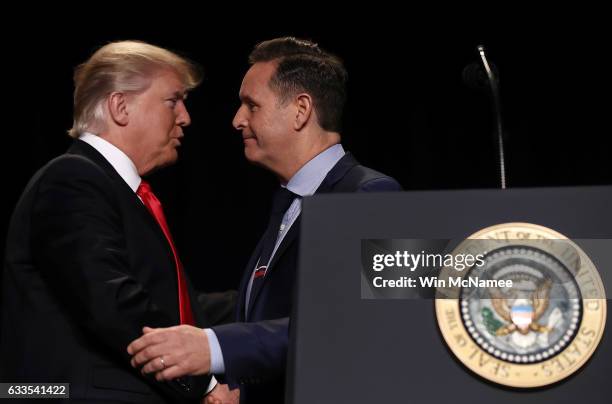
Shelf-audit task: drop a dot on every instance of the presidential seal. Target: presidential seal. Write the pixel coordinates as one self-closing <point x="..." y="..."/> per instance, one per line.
<point x="541" y="328"/>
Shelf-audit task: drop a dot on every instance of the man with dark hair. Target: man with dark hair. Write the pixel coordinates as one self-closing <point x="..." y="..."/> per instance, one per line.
<point x="303" y="66"/>
<point x="290" y="116"/>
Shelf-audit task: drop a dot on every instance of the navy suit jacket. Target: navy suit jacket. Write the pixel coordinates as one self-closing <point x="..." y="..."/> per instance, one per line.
<point x="255" y="348"/>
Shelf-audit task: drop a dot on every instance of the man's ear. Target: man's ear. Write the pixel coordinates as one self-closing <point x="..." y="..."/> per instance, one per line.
<point x="118" y="108"/>
<point x="304" y="110"/>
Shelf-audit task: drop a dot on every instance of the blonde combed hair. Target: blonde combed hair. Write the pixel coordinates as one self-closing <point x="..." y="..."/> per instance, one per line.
<point x="125" y="66"/>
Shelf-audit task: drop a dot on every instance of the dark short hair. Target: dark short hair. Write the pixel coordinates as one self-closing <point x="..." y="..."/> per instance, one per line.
<point x="304" y="67"/>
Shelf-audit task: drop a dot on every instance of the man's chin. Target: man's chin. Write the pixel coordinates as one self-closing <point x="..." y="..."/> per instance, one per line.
<point x="252" y="154"/>
<point x="172" y="159"/>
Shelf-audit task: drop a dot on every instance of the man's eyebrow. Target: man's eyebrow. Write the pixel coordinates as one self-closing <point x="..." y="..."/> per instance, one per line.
<point x="246" y="98"/>
<point x="180" y="94"/>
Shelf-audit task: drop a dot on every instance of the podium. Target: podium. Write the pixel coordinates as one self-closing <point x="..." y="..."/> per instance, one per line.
<point x="348" y="346"/>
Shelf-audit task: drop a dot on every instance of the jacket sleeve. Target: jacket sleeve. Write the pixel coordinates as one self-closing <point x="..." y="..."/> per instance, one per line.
<point x="381" y="184"/>
<point x="254" y="352"/>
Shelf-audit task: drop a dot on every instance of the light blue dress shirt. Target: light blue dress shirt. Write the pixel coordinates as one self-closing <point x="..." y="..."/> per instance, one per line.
<point x="304" y="183"/>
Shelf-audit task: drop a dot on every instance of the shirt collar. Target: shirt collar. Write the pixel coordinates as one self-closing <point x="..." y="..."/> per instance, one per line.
<point x="308" y="178"/>
<point x="117" y="158"/>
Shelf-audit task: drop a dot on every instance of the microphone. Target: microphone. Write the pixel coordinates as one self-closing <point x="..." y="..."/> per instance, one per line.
<point x="484" y="75"/>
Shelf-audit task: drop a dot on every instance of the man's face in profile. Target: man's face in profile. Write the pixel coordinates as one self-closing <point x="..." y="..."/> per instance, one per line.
<point x="266" y="124"/>
<point x="157" y="118"/>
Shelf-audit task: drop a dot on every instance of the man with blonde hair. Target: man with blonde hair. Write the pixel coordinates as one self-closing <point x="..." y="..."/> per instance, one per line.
<point x="90" y="258"/>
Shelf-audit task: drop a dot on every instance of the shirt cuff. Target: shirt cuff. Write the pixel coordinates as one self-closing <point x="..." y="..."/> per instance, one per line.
<point x="212" y="384"/>
<point x="217" y="366"/>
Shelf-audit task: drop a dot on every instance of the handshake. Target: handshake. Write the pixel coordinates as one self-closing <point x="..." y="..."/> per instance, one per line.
<point x="170" y="353"/>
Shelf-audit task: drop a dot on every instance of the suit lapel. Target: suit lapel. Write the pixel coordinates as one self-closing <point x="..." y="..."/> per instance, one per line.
<point x="289" y="238"/>
<point x="84" y="149"/>
<point x="244" y="283"/>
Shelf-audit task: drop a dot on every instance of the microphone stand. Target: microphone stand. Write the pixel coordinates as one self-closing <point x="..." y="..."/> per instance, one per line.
<point x="495" y="94"/>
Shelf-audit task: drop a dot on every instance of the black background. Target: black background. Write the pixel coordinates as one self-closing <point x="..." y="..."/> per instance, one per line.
<point x="409" y="115"/>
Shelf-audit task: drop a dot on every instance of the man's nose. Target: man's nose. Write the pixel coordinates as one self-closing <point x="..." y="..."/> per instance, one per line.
<point x="183" y="118"/>
<point x="239" y="121"/>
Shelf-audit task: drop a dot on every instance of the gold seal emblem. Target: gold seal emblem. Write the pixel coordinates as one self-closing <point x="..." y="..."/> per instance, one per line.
<point x="536" y="332"/>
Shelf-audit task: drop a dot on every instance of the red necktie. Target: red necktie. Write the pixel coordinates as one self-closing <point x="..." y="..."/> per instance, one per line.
<point x="154" y="206"/>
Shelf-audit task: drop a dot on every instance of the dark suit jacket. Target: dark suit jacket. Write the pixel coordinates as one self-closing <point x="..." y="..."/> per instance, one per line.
<point x="255" y="348"/>
<point x="86" y="267"/>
